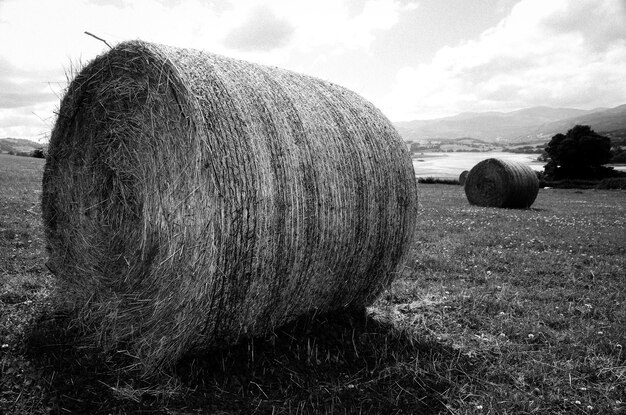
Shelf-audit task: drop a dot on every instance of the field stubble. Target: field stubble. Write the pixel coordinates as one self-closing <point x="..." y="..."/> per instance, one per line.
<point x="496" y="311"/>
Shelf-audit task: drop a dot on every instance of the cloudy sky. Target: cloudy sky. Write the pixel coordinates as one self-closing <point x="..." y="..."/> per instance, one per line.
<point x="414" y="59"/>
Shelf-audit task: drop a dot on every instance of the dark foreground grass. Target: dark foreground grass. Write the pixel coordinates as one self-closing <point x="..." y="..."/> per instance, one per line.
<point x="496" y="311"/>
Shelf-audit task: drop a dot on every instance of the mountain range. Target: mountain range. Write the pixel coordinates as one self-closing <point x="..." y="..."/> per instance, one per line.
<point x="535" y="124"/>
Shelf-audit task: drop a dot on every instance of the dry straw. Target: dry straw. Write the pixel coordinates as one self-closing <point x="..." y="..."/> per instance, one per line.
<point x="500" y="183"/>
<point x="192" y="199"/>
<point x="463" y="177"/>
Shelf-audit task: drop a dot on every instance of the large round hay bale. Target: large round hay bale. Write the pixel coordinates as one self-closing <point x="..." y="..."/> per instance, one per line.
<point x="500" y="183"/>
<point x="191" y="199"/>
<point x="463" y="177"/>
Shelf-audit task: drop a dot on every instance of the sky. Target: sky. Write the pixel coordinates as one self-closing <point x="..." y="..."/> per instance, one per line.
<point x="413" y="59"/>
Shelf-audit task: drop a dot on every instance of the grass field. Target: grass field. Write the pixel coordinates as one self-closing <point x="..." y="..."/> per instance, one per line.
<point x="495" y="312"/>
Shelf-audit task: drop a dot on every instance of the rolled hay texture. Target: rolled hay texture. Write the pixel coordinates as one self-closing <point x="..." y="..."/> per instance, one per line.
<point x="463" y="177"/>
<point x="500" y="183"/>
<point x="190" y="199"/>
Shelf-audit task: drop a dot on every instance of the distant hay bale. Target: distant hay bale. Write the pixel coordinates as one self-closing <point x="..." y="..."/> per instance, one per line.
<point x="463" y="177"/>
<point x="191" y="199"/>
<point x="500" y="183"/>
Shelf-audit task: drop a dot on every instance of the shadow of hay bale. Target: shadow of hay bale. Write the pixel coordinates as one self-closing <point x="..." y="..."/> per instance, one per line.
<point x="73" y="373"/>
<point x="345" y="362"/>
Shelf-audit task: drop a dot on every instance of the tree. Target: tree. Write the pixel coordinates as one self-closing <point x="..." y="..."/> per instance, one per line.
<point x="579" y="153"/>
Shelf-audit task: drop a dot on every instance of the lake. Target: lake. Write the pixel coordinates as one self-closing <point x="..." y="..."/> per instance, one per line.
<point x="450" y="165"/>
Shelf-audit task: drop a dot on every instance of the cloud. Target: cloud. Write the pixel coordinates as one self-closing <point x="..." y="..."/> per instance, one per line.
<point x="262" y="30"/>
<point x="42" y="39"/>
<point x="26" y="102"/>
<point x="311" y="31"/>
<point x="600" y="24"/>
<point x="47" y="39"/>
<point x="331" y="24"/>
<point x="18" y="100"/>
<point x="33" y="122"/>
<point x="20" y="88"/>
<point x="558" y="53"/>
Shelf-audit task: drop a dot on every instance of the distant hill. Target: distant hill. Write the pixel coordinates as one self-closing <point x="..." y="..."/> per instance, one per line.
<point x="508" y="128"/>
<point x="612" y="119"/>
<point x="19" y="146"/>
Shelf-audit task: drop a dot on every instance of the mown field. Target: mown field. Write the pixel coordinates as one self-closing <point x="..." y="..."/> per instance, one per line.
<point x="495" y="312"/>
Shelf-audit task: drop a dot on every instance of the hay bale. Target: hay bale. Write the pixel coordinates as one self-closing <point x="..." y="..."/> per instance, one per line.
<point x="191" y="199"/>
<point x="499" y="183"/>
<point x="463" y="177"/>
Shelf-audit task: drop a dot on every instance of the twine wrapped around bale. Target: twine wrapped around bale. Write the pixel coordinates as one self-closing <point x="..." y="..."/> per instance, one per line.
<point x="463" y="177"/>
<point x="500" y="183"/>
<point x="191" y="199"/>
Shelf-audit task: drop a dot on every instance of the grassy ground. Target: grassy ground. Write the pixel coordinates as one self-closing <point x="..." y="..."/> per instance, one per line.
<point x="496" y="312"/>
